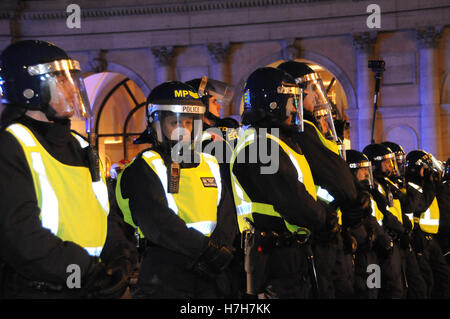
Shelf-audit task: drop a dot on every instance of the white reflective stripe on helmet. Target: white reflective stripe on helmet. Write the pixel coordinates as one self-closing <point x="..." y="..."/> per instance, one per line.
<point x="94" y="251"/>
<point x="205" y="227"/>
<point x="20" y="132"/>
<point x="215" y="170"/>
<point x="161" y="171"/>
<point x="49" y="201"/>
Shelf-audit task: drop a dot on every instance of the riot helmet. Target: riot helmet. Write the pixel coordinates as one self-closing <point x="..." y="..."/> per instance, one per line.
<point x="272" y="99"/>
<point x="400" y="155"/>
<point x="360" y="166"/>
<point x="419" y="159"/>
<point x="315" y="99"/>
<point x="174" y="117"/>
<point x="383" y="160"/>
<point x="209" y="89"/>
<point x="37" y="75"/>
<point x="446" y="175"/>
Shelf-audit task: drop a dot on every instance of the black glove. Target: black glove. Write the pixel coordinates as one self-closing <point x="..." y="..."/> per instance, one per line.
<point x="383" y="244"/>
<point x="213" y="260"/>
<point x="99" y="284"/>
<point x="404" y="240"/>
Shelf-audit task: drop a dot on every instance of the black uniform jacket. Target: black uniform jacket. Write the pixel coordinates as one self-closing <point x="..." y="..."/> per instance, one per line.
<point x="162" y="227"/>
<point x="281" y="189"/>
<point x="27" y="247"/>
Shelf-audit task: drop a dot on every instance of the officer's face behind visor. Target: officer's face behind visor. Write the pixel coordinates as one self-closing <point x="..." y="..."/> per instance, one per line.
<point x="389" y="165"/>
<point x="294" y="105"/>
<point x="173" y="126"/>
<point x="62" y="80"/>
<point x="316" y="101"/>
<point x="363" y="172"/>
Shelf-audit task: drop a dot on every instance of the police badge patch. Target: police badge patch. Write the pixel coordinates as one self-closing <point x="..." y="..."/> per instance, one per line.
<point x="208" y="181"/>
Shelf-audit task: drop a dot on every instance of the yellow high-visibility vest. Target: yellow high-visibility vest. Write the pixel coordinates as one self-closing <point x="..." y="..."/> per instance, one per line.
<point x="331" y="145"/>
<point x="72" y="206"/>
<point x="396" y="208"/>
<point x="198" y="197"/>
<point x="245" y="207"/>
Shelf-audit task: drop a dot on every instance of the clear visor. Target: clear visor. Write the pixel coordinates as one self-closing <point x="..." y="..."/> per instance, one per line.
<point x="401" y="163"/>
<point x="363" y="172"/>
<point x="65" y="85"/>
<point x="317" y="99"/>
<point x="389" y="166"/>
<point x="294" y="105"/>
<point x="177" y="129"/>
<point x="223" y="92"/>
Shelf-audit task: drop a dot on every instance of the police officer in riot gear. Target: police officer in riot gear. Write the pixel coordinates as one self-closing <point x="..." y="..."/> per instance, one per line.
<point x="53" y="195"/>
<point x="174" y="196"/>
<point x="278" y="257"/>
<point x="336" y="185"/>
<point x="431" y="219"/>
<point x="378" y="244"/>
<point x="391" y="201"/>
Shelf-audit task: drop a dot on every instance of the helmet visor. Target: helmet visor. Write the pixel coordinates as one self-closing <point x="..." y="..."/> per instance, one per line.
<point x="389" y="165"/>
<point x="363" y="172"/>
<point x="222" y="91"/>
<point x="62" y="79"/>
<point x="322" y="109"/>
<point x="182" y="131"/>
<point x="401" y="163"/>
<point x="294" y="105"/>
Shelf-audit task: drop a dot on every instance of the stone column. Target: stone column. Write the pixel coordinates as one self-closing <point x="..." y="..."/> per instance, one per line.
<point x="361" y="132"/>
<point x="164" y="57"/>
<point x="219" y="54"/>
<point x="430" y="130"/>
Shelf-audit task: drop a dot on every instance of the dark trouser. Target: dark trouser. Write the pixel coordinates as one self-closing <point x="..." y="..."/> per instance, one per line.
<point x="165" y="275"/>
<point x="417" y="288"/>
<point x="440" y="268"/>
<point x="364" y="258"/>
<point x="392" y="284"/>
<point x="433" y="266"/>
<point x="343" y="271"/>
<point x="325" y="257"/>
<point x="287" y="273"/>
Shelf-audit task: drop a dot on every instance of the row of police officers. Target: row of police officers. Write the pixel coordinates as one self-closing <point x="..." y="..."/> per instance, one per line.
<point x="273" y="207"/>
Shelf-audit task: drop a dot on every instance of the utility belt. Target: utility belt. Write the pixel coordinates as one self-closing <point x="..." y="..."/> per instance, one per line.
<point x="13" y="282"/>
<point x="257" y="245"/>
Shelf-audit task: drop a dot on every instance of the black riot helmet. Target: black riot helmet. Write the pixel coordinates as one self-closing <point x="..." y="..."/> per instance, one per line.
<point x="37" y="75"/>
<point x="400" y="155"/>
<point x="446" y="175"/>
<point x="208" y="88"/>
<point x="174" y="116"/>
<point x="267" y="95"/>
<point x="383" y="160"/>
<point x="315" y="99"/>
<point x="418" y="159"/>
<point x="360" y="166"/>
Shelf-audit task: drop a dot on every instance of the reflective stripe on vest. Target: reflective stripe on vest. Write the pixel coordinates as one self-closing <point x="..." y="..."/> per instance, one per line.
<point x="376" y="211"/>
<point x="244" y="206"/>
<point x="71" y="206"/>
<point x="396" y="208"/>
<point x="429" y="220"/>
<point x="199" y="214"/>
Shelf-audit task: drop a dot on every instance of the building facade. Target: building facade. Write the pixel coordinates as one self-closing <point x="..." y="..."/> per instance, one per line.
<point x="143" y="43"/>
